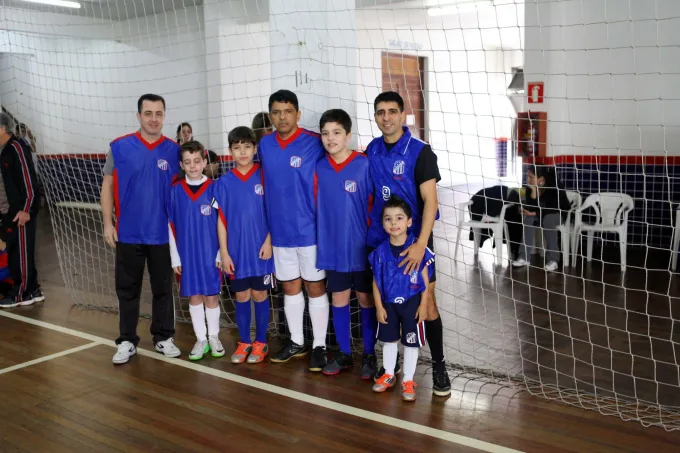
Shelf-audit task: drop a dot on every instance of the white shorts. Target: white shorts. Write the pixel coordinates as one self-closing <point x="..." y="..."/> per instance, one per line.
<point x="291" y="263"/>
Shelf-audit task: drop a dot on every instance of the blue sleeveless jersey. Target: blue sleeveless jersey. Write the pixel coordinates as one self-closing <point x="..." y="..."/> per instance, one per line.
<point x="344" y="195"/>
<point x="289" y="180"/>
<point x="142" y="175"/>
<point x="394" y="286"/>
<point x="193" y="219"/>
<point x="241" y="200"/>
<point x="393" y="173"/>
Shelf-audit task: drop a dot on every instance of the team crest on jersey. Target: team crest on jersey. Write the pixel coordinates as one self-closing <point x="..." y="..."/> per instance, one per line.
<point x="414" y="277"/>
<point x="350" y="186"/>
<point x="399" y="300"/>
<point x="162" y="164"/>
<point x="411" y="338"/>
<point x="259" y="189"/>
<point x="206" y="210"/>
<point x="386" y="193"/>
<point x="295" y="161"/>
<point x="267" y="279"/>
<point x="399" y="167"/>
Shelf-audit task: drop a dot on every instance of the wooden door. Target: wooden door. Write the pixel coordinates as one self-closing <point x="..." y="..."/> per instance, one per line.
<point x="405" y="74"/>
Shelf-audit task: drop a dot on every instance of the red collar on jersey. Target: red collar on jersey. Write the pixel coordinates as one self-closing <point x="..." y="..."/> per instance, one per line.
<point x="199" y="192"/>
<point x="283" y="143"/>
<point x="338" y="167"/>
<point x="247" y="176"/>
<point x="150" y="146"/>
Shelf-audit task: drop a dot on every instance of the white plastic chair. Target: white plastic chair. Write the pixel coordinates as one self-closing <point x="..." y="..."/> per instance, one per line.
<point x="611" y="216"/>
<point x="495" y="224"/>
<point x="676" y="240"/>
<point x="567" y="229"/>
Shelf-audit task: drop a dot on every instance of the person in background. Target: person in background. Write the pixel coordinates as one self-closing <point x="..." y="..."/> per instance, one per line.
<point x="212" y="169"/>
<point x="6" y="282"/>
<point x="262" y="125"/>
<point x="184" y="133"/>
<point x="545" y="207"/>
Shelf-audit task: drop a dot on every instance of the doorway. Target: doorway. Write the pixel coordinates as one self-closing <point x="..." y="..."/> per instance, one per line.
<point x="405" y="74"/>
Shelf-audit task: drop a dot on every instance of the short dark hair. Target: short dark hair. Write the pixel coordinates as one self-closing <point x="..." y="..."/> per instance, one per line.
<point x="241" y="134"/>
<point x="192" y="147"/>
<point x="284" y="96"/>
<point x="389" y="96"/>
<point x="151" y="98"/>
<point x="397" y="202"/>
<point x="212" y="156"/>
<point x="336" y="116"/>
<point x="261" y="122"/>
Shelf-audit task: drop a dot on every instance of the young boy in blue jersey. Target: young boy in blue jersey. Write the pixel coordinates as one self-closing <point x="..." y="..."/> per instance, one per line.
<point x="194" y="248"/>
<point x="401" y="300"/>
<point x="403" y="165"/>
<point x="245" y="244"/>
<point x="344" y="196"/>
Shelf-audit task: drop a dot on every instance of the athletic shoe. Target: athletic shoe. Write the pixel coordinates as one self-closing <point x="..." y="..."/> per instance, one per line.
<point x="258" y="353"/>
<point x="381" y="371"/>
<point x="551" y="266"/>
<point x="38" y="295"/>
<point x="441" y="385"/>
<point x="408" y="390"/>
<point x="241" y="353"/>
<point x="124" y="352"/>
<point x="289" y="351"/>
<point x="341" y="361"/>
<point x="318" y="359"/>
<point x="216" y="348"/>
<point x="168" y="348"/>
<point x="520" y="263"/>
<point x="385" y="382"/>
<point x="9" y="302"/>
<point x="200" y="349"/>
<point x="369" y="365"/>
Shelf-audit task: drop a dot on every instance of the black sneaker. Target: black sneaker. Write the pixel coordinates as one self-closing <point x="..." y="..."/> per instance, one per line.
<point x="341" y="361"/>
<point x="318" y="359"/>
<point x="11" y="302"/>
<point x="289" y="351"/>
<point x="441" y="384"/>
<point x="381" y="371"/>
<point x="38" y="295"/>
<point x="369" y="365"/>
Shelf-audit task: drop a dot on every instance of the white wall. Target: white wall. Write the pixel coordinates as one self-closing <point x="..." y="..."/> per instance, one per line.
<point x="611" y="70"/>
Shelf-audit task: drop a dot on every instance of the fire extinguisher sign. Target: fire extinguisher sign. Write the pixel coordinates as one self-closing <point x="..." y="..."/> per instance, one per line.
<point x="535" y="92"/>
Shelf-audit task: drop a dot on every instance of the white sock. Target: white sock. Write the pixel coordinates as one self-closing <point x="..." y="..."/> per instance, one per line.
<point x="213" y="317"/>
<point x="197" y="313"/>
<point x="294" y="307"/>
<point x="390" y="351"/>
<point x="319" y="309"/>
<point x="410" y="362"/>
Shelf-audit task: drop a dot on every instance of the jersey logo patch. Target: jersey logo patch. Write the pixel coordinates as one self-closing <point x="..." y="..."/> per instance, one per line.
<point x="162" y="164"/>
<point x="414" y="277"/>
<point x="260" y="191"/>
<point x="386" y="193"/>
<point x="399" y="300"/>
<point x="411" y="337"/>
<point x="295" y="161"/>
<point x="350" y="186"/>
<point x="399" y="167"/>
<point x="206" y="210"/>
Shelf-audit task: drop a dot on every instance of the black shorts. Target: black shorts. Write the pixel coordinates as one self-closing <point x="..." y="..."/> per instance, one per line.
<point x="360" y="281"/>
<point x="259" y="283"/>
<point x="401" y="323"/>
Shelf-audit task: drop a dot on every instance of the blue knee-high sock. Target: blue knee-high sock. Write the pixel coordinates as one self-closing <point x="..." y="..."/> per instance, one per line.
<point x="243" y="318"/>
<point x="261" y="320"/>
<point x="341" y="324"/>
<point x="369" y="327"/>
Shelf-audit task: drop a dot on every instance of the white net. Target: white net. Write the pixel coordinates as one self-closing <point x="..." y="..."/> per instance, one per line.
<point x="589" y="335"/>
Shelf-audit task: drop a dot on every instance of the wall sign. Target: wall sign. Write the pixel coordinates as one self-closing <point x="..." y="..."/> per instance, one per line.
<point x="535" y="92"/>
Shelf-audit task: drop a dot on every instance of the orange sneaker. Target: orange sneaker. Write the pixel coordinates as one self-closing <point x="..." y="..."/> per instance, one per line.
<point x="258" y="353"/>
<point x="385" y="382"/>
<point x="241" y="352"/>
<point x="408" y="390"/>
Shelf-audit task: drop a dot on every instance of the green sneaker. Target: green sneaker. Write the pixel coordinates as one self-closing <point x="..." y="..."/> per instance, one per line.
<point x="200" y="349"/>
<point x="216" y="348"/>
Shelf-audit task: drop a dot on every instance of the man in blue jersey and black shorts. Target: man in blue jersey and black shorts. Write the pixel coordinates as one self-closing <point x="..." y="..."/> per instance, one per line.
<point x="138" y="173"/>
<point x="402" y="165"/>
<point x="289" y="158"/>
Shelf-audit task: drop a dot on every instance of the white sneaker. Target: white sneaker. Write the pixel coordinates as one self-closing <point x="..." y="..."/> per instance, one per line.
<point x="168" y="348"/>
<point x="124" y="352"/>
<point x="519" y="263"/>
<point x="216" y="348"/>
<point x="200" y="349"/>
<point x="551" y="266"/>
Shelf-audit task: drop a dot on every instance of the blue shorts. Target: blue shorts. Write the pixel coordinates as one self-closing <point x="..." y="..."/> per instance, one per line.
<point x="401" y="323"/>
<point x="259" y="283"/>
<point x="360" y="281"/>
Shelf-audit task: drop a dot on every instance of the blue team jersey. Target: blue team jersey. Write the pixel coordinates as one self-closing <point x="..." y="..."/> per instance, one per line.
<point x="142" y="175"/>
<point x="394" y="286"/>
<point x="393" y="173"/>
<point x="289" y="179"/>
<point x="241" y="200"/>
<point x="193" y="219"/>
<point x="344" y="195"/>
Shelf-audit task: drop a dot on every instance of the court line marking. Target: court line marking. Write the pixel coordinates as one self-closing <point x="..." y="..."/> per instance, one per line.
<point x="314" y="400"/>
<point x="50" y="357"/>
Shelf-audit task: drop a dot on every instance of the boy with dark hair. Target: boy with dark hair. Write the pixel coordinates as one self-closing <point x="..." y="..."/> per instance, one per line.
<point x="245" y="244"/>
<point x="403" y="165"/>
<point x="194" y="248"/>
<point x="344" y="196"/>
<point x="401" y="300"/>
